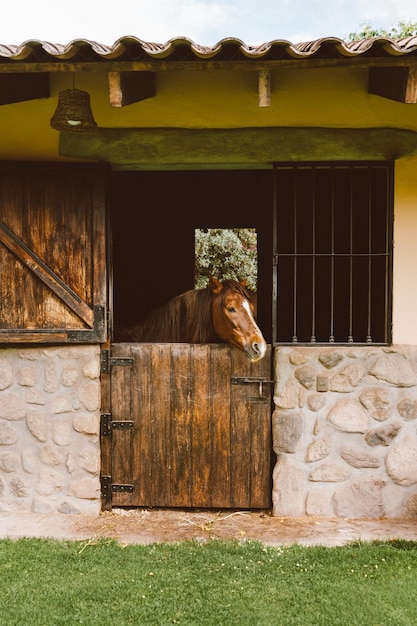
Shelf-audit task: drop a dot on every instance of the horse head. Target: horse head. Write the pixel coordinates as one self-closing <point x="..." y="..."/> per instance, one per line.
<point x="233" y="316"/>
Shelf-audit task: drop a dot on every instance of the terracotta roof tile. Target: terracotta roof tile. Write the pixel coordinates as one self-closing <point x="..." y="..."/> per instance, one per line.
<point x="132" y="48"/>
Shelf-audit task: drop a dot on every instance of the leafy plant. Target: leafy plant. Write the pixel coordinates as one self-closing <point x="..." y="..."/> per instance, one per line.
<point x="226" y="253"/>
<point x="403" y="29"/>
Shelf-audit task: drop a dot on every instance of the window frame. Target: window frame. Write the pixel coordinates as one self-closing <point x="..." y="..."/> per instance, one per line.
<point x="332" y="166"/>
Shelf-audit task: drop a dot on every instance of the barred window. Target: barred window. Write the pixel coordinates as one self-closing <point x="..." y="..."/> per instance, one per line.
<point x="332" y="253"/>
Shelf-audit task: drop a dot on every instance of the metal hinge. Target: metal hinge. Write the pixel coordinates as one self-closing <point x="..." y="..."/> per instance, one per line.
<point x="107" y="425"/>
<point x="107" y="361"/>
<point x="107" y="488"/>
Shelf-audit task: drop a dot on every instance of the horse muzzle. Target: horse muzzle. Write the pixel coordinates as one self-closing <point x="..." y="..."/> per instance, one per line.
<point x="255" y="351"/>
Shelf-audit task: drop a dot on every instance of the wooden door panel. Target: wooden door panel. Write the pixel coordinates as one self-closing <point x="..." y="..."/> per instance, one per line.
<point x="201" y="423"/>
<point x="251" y="432"/>
<point x="199" y="439"/>
<point x="53" y="283"/>
<point x="122" y="443"/>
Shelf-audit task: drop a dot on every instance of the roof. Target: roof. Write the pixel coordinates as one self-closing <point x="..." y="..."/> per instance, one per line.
<point x="182" y="49"/>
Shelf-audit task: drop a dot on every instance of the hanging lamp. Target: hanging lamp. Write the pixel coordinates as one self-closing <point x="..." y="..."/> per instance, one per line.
<point x="73" y="113"/>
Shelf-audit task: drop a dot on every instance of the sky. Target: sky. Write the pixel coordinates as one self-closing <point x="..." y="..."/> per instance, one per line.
<point x="205" y="22"/>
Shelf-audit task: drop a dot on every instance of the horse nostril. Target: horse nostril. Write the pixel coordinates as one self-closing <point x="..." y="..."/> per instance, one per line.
<point x="256" y="348"/>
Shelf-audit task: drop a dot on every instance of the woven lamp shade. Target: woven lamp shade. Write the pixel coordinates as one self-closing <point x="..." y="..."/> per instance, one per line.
<point x="73" y="113"/>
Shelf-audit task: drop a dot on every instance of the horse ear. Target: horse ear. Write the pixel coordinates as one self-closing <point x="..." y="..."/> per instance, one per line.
<point x="243" y="282"/>
<point x="215" y="285"/>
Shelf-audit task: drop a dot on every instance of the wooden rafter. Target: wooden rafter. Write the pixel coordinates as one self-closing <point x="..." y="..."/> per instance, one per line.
<point x="21" y="87"/>
<point x="264" y="88"/>
<point x="395" y="83"/>
<point x="130" y="87"/>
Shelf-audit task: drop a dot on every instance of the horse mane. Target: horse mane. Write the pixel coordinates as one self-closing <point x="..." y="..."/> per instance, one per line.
<point x="186" y="318"/>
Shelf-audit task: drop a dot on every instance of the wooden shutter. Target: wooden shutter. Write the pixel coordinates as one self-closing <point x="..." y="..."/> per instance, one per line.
<point x="53" y="284"/>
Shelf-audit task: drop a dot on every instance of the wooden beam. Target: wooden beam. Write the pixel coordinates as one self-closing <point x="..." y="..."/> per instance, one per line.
<point x="244" y="148"/>
<point x="154" y="65"/>
<point x="21" y="87"/>
<point x="130" y="87"/>
<point x="264" y="88"/>
<point x="394" y="83"/>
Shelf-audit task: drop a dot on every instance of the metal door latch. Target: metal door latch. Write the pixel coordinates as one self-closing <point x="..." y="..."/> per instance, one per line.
<point x="252" y="380"/>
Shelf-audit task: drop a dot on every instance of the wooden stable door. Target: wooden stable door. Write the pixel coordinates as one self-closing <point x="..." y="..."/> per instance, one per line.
<point x="190" y="426"/>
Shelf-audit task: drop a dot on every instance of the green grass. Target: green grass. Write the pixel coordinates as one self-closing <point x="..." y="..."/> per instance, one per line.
<point x="54" y="583"/>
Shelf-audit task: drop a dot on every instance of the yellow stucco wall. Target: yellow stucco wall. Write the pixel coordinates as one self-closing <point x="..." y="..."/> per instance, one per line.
<point x="209" y="99"/>
<point x="222" y="99"/>
<point x="405" y="252"/>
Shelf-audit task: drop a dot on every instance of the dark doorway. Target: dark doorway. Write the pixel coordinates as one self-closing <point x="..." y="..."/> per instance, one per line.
<point x="154" y="216"/>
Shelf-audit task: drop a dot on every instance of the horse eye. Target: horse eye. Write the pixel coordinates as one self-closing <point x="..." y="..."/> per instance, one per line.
<point x="231" y="309"/>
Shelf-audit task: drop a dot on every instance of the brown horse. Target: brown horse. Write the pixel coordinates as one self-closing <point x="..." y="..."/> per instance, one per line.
<point x="223" y="311"/>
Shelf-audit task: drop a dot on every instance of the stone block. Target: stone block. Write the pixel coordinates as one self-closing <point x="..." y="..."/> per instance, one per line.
<point x="12" y="407"/>
<point x="69" y="376"/>
<point x="61" y="433"/>
<point x="330" y="473"/>
<point x="401" y="462"/>
<point x="287" y="428"/>
<point x="359" y="458"/>
<point x="317" y="450"/>
<point x="49" y="482"/>
<point x="9" y="462"/>
<point x="319" y="502"/>
<point x="348" y="378"/>
<point x="91" y="369"/>
<point x="8" y="434"/>
<point x="377" y="401"/>
<point x="18" y="487"/>
<point x="48" y="455"/>
<point x="330" y="359"/>
<point x="288" y="399"/>
<point x="52" y="378"/>
<point x="288" y="495"/>
<point x="6" y="374"/>
<point x="89" y="395"/>
<point x="306" y="376"/>
<point x="316" y="401"/>
<point x="37" y="425"/>
<point x="383" y="435"/>
<point x="394" y="369"/>
<point x="85" y="488"/>
<point x="349" y="416"/>
<point x="28" y="376"/>
<point x="86" y="423"/>
<point x="361" y="498"/>
<point x="407" y="408"/>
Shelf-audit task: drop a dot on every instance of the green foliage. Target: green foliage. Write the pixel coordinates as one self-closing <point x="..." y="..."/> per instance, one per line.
<point x="226" y="253"/>
<point x="403" y="29"/>
<point x="101" y="583"/>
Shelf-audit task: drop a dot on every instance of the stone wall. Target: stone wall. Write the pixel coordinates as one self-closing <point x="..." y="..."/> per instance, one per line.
<point x="49" y="429"/>
<point x="346" y="450"/>
<point x="345" y="432"/>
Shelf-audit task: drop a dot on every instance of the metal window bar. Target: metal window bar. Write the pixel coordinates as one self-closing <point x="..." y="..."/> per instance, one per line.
<point x="274" y="259"/>
<point x="368" y="335"/>
<point x="350" y="335"/>
<point x="332" y="264"/>
<point x="388" y="258"/>
<point x="313" y="269"/>
<point x="351" y="255"/>
<point x="294" y="332"/>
